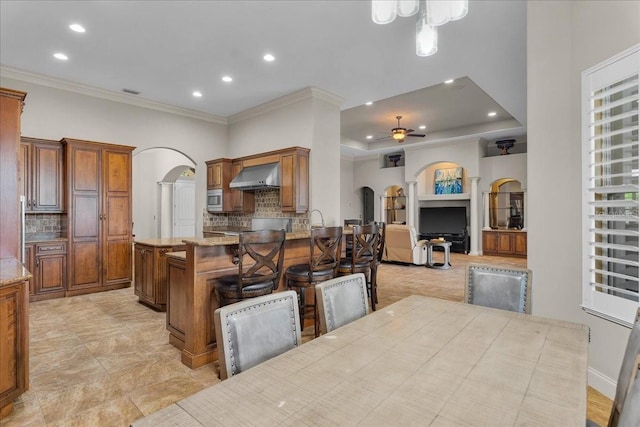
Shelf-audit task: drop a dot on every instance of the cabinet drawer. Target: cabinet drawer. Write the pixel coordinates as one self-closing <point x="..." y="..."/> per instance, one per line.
<point x="51" y="248"/>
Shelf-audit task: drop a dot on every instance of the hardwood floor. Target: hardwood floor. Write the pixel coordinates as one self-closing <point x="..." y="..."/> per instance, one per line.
<point x="104" y="359"/>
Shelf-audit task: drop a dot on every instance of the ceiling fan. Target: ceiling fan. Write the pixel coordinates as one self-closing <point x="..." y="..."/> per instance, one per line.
<point x="400" y="133"/>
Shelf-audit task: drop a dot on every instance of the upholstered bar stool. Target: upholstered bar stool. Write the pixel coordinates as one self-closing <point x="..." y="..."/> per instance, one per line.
<point x="260" y="257"/>
<point x="324" y="255"/>
<point x="363" y="256"/>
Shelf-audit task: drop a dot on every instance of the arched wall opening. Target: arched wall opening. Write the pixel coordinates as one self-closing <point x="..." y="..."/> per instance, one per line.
<point x="151" y="168"/>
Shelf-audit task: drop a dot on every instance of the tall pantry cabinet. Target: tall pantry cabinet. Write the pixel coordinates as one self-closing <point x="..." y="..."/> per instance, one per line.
<point x="99" y="216"/>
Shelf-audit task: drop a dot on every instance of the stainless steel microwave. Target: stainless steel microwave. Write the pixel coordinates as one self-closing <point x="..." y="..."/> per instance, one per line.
<point x="214" y="200"/>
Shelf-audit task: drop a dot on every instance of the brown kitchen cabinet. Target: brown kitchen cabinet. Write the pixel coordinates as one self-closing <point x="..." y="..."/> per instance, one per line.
<point x="14" y="338"/>
<point x="505" y="243"/>
<point x="41" y="175"/>
<point x="50" y="273"/>
<point x="99" y="216"/>
<point x="177" y="306"/>
<point x="241" y="201"/>
<point x="218" y="174"/>
<point x="29" y="263"/>
<point x="11" y="103"/>
<point x="294" y="180"/>
<point x="150" y="282"/>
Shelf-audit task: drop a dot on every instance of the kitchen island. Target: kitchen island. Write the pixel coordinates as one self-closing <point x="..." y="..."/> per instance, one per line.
<point x="191" y="299"/>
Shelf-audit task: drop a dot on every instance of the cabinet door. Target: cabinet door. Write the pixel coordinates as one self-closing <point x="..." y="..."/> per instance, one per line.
<point x="489" y="242"/>
<point x="214" y="176"/>
<point x="85" y="264"/>
<point x="520" y="243"/>
<point x="138" y="268"/>
<point x="241" y="201"/>
<point x="46" y="178"/>
<point x="294" y="181"/>
<point x="505" y="243"/>
<point x="116" y="217"/>
<point x="14" y="342"/>
<point x="50" y="271"/>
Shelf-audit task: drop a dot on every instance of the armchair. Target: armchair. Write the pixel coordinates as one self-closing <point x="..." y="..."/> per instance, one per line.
<point x="402" y="245"/>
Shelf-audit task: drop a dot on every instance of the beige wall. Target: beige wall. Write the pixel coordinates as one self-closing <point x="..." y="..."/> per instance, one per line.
<point x="563" y="39"/>
<point x="53" y="113"/>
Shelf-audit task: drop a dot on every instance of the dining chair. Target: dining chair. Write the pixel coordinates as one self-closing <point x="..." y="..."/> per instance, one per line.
<point x="497" y="287"/>
<point x="374" y="266"/>
<point x="324" y="256"/>
<point x="350" y="223"/>
<point x="364" y="240"/>
<point x="341" y="300"/>
<point x="254" y="330"/>
<point x="630" y="415"/>
<point x="260" y="258"/>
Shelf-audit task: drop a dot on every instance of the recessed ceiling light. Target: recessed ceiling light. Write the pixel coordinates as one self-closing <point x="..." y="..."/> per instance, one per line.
<point x="369" y="136"/>
<point x="449" y="81"/>
<point x="422" y="127"/>
<point x="77" y="28"/>
<point x="269" y="58"/>
<point x="60" y="56"/>
<point x="227" y="79"/>
<point x="368" y="103"/>
<point x="492" y="114"/>
<point x="197" y="94"/>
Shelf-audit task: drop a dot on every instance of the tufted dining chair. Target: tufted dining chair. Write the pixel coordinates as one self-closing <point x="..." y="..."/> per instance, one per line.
<point x="630" y="415"/>
<point x="628" y="373"/>
<point x="497" y="287"/>
<point x="341" y="300"/>
<point x="254" y="330"/>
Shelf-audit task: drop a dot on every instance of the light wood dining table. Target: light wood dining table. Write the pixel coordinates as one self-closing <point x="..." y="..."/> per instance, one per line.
<point x="421" y="361"/>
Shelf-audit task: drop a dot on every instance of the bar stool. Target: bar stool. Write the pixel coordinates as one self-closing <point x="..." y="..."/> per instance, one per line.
<point x="258" y="274"/>
<point x="350" y="223"/>
<point x="363" y="256"/>
<point x="324" y="255"/>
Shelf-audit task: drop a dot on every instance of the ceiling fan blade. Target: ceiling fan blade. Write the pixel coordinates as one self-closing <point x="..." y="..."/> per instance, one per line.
<point x="409" y="130"/>
<point x="420" y="135"/>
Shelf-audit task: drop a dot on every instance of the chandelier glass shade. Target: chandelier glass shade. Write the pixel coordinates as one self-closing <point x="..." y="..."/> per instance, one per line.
<point x="431" y="14"/>
<point x="384" y="11"/>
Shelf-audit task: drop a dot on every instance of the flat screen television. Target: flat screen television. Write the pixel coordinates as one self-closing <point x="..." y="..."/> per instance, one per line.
<point x="446" y="220"/>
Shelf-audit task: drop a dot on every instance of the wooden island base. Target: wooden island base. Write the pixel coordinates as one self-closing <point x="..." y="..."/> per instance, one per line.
<point x="191" y="299"/>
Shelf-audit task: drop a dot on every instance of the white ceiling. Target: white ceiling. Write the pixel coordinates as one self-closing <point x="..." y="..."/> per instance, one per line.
<point x="167" y="49"/>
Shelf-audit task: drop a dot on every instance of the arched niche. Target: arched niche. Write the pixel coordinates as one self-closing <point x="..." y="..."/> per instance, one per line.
<point x="426" y="178"/>
<point x="506" y="204"/>
<point x="394" y="205"/>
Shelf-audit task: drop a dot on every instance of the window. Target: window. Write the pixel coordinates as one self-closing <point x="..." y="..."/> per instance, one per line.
<point x="610" y="187"/>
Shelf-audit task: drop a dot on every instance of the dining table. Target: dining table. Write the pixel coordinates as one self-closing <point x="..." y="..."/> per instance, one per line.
<point x="420" y="361"/>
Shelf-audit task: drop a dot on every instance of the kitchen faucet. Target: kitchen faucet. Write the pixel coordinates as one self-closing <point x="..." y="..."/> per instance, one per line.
<point x="321" y="216"/>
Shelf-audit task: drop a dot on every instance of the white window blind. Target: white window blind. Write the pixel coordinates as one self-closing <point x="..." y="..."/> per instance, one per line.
<point x="610" y="187"/>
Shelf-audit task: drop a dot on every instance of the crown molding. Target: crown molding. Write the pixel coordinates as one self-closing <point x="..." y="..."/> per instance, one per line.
<point x="39" y="79"/>
<point x="283" y="101"/>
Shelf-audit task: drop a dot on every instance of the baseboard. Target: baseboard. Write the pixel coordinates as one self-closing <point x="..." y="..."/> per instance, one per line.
<point x="602" y="383"/>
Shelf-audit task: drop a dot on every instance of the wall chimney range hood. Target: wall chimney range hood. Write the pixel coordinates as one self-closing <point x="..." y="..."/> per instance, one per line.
<point x="257" y="177"/>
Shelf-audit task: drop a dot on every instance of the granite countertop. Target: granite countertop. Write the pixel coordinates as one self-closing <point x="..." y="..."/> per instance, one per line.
<point x="12" y="271"/>
<point x="233" y="240"/>
<point x="162" y="242"/>
<point x="39" y="238"/>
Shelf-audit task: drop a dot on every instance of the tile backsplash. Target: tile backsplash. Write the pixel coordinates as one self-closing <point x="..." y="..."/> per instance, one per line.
<point x="44" y="224"/>
<point x="267" y="204"/>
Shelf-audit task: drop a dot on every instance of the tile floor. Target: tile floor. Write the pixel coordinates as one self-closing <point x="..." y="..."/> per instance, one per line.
<point x="104" y="359"/>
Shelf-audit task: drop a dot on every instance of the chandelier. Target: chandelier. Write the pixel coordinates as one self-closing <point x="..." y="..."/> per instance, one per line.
<point x="431" y="14"/>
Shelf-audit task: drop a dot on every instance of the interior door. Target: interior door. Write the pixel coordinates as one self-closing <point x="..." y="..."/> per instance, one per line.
<point x="367" y="205"/>
<point x="184" y="209"/>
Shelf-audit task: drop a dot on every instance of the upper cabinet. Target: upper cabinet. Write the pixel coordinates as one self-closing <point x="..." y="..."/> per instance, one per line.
<point x="41" y="175"/>
<point x="218" y="174"/>
<point x="294" y="180"/>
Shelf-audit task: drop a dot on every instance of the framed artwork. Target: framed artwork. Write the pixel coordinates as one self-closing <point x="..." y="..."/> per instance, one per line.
<point x="449" y="181"/>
